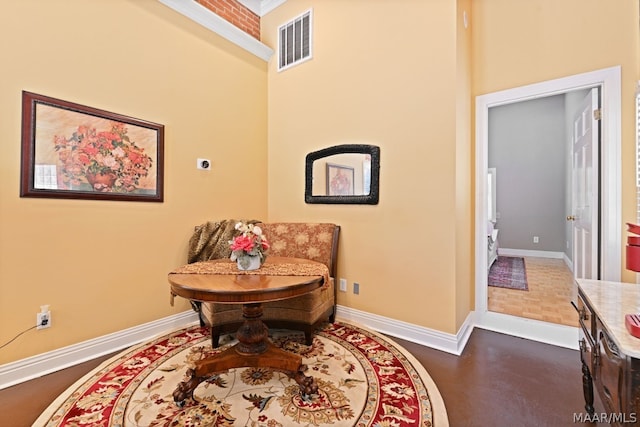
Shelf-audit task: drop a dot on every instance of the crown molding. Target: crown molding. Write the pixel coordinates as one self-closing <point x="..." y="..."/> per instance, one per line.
<point x="218" y="25"/>
<point x="261" y="7"/>
<point x="253" y="5"/>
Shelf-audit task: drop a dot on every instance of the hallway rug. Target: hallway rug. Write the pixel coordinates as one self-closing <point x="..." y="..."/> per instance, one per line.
<point x="364" y="379"/>
<point x="508" y="272"/>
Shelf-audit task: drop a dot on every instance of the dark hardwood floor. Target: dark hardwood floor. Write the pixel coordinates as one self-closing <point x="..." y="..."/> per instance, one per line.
<point x="499" y="380"/>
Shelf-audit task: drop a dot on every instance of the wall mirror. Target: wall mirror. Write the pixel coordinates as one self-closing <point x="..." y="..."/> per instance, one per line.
<point x="347" y="174"/>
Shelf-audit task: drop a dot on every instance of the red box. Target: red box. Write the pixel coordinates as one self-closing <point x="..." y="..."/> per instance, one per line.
<point x="633" y="248"/>
<point x="633" y="258"/>
<point x="632" y="322"/>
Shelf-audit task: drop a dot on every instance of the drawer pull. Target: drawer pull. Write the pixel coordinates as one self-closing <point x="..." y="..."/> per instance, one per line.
<point x="581" y="311"/>
<point x="610" y="348"/>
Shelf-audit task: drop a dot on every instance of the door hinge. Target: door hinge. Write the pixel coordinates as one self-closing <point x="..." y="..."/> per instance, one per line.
<point x="597" y="114"/>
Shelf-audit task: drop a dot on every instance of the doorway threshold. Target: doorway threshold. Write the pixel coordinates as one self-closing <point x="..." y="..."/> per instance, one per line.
<point x="531" y="329"/>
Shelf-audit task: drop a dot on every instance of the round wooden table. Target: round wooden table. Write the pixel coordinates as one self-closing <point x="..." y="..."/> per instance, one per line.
<point x="220" y="281"/>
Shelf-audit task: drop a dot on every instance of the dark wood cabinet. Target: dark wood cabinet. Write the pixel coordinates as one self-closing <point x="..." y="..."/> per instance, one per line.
<point x="609" y="354"/>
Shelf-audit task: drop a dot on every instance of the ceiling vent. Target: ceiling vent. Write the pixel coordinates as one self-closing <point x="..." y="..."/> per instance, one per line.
<point x="294" y="41"/>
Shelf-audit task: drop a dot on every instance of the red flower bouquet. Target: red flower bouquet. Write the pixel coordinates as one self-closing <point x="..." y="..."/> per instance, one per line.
<point x="249" y="247"/>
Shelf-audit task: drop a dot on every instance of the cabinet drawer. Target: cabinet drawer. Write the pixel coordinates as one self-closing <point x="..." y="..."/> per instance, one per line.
<point x="609" y="373"/>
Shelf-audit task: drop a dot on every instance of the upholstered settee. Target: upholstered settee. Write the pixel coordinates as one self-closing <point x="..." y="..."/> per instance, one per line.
<point x="314" y="241"/>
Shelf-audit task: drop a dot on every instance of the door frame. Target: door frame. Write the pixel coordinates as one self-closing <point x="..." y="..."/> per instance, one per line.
<point x="609" y="82"/>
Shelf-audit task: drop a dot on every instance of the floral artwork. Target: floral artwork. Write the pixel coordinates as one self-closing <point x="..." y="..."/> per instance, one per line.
<point x="74" y="151"/>
<point x="107" y="160"/>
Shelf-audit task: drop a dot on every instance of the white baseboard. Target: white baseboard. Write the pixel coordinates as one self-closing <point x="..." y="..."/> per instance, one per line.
<point x="42" y="364"/>
<point x="538" y="254"/>
<point x="46" y="363"/>
<point x="52" y="361"/>
<point x="531" y="253"/>
<point x="450" y="343"/>
<point x="568" y="262"/>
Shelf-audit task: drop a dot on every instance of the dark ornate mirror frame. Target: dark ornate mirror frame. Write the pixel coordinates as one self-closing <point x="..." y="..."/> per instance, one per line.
<point x="374" y="191"/>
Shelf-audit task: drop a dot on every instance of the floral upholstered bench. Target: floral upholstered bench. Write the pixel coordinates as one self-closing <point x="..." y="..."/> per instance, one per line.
<point x="314" y="241"/>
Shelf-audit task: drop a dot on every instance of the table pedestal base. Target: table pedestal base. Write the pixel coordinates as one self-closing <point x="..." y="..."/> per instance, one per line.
<point x="254" y="349"/>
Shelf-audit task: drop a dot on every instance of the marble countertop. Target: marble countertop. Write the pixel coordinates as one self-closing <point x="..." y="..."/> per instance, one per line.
<point x="611" y="301"/>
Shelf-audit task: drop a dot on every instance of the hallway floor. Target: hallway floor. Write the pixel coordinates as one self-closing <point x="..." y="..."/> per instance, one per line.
<point x="551" y="290"/>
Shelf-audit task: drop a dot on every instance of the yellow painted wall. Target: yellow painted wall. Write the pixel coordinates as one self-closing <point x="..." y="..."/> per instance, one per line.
<point x="382" y="73"/>
<point x="102" y="265"/>
<point x="464" y="166"/>
<point x="402" y="77"/>
<point x="516" y="43"/>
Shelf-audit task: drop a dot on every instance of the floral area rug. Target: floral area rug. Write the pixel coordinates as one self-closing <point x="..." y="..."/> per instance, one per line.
<point x="364" y="379"/>
<point x="508" y="272"/>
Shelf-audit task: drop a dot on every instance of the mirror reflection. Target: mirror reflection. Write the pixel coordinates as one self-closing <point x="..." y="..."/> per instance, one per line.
<point x="347" y="174"/>
<point x="343" y="174"/>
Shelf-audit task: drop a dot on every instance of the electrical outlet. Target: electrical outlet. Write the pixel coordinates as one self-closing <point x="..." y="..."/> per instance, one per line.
<point x="536" y="239"/>
<point x="356" y="288"/>
<point x="343" y="285"/>
<point x="43" y="318"/>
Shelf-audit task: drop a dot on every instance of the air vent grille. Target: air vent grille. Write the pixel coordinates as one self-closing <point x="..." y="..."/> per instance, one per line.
<point x="294" y="40"/>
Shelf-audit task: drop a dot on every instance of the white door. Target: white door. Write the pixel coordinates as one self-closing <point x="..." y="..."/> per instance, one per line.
<point x="585" y="201"/>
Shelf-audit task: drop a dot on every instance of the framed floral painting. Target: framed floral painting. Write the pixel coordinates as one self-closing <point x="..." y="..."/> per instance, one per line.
<point x="339" y="180"/>
<point x="77" y="152"/>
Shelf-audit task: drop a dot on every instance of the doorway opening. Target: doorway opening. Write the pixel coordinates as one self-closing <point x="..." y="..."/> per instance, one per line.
<point x="608" y="82"/>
